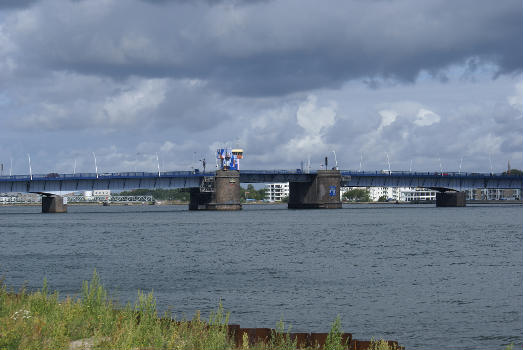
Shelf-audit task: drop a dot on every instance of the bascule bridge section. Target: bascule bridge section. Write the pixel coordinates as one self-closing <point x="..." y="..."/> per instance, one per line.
<point x="320" y="190"/>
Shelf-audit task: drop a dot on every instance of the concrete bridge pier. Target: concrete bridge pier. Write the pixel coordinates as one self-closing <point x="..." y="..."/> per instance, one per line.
<point x="226" y="195"/>
<point x="322" y="193"/>
<point x="53" y="204"/>
<point x="451" y="199"/>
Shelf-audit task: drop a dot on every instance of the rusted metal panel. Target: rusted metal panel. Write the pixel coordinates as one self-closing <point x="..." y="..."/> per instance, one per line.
<point x="302" y="339"/>
<point x="346" y="338"/>
<point x="262" y="335"/>
<point x="317" y="339"/>
<point x="232" y="332"/>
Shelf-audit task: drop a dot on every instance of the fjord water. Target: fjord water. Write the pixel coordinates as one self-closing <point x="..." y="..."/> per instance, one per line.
<point x="427" y="277"/>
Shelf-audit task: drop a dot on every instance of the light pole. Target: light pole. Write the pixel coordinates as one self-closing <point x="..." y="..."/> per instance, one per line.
<point x="30" y="170"/>
<point x="158" y="163"/>
<point x="95" y="166"/>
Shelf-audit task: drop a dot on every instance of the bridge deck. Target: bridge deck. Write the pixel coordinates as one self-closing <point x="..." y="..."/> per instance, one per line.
<point x="48" y="183"/>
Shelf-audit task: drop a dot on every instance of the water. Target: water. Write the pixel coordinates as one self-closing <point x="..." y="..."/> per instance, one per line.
<point x="427" y="277"/>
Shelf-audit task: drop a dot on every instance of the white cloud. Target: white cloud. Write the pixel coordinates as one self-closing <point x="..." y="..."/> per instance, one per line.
<point x="387" y="118"/>
<point x="516" y="100"/>
<point x="426" y="117"/>
<point x="133" y="104"/>
<point x="315" y="119"/>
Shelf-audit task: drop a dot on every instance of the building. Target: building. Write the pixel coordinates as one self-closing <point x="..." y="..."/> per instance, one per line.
<point x="401" y="194"/>
<point x="417" y="195"/>
<point x="493" y="194"/>
<point x="376" y="193"/>
<point x="20" y="198"/>
<point x="275" y="192"/>
<point x="97" y="193"/>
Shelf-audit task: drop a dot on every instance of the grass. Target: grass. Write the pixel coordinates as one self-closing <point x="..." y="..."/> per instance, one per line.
<point x="43" y="320"/>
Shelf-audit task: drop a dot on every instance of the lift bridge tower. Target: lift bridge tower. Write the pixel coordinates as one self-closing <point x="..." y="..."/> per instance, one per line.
<point x="221" y="191"/>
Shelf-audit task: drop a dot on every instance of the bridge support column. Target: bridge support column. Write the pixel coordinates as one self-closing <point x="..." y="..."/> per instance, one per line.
<point x="226" y="191"/>
<point x="450" y="199"/>
<point x="226" y="195"/>
<point x="322" y="193"/>
<point x="53" y="204"/>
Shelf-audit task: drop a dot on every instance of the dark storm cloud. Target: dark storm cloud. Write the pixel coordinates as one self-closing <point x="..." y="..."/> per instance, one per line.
<point x="162" y="2"/>
<point x="12" y="4"/>
<point x="277" y="47"/>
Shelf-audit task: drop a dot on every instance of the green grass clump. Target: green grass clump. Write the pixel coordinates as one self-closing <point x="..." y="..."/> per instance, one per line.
<point x="381" y="345"/>
<point x="334" y="340"/>
<point x="41" y="320"/>
<point x="91" y="320"/>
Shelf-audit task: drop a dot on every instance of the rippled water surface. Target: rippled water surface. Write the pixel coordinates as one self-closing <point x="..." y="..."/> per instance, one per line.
<point x="427" y="277"/>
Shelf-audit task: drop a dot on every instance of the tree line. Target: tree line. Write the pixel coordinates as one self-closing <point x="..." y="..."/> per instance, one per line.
<point x="183" y="195"/>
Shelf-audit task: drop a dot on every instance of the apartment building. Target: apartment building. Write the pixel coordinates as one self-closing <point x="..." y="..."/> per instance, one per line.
<point x="275" y="192"/>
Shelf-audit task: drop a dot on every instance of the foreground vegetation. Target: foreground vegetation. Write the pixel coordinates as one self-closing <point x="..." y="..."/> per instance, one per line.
<point x="44" y="320"/>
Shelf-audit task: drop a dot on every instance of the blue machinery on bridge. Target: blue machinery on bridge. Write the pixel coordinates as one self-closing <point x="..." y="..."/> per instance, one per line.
<point x="220" y="190"/>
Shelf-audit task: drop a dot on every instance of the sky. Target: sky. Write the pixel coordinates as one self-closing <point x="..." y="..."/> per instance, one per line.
<point x="423" y="85"/>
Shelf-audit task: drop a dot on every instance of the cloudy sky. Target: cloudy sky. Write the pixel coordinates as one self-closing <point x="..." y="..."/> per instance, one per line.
<point x="427" y="82"/>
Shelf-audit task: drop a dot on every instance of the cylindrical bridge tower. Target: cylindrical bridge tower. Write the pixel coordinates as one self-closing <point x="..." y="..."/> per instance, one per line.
<point x="225" y="195"/>
<point x="226" y="191"/>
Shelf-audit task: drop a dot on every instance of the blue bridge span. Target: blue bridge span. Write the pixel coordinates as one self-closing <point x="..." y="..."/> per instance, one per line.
<point x="51" y="183"/>
<point x="220" y="190"/>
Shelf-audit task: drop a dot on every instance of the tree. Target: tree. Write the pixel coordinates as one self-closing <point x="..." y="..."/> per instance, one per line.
<point x="251" y="193"/>
<point x="382" y="199"/>
<point x="357" y="195"/>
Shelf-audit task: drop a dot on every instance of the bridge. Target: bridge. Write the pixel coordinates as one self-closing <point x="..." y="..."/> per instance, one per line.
<point x="220" y="190"/>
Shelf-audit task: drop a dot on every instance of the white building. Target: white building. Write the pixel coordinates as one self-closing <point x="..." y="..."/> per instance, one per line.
<point x="101" y="193"/>
<point x="275" y="192"/>
<point x="97" y="193"/>
<point x="417" y="194"/>
<point x="392" y="193"/>
<point x="402" y="194"/>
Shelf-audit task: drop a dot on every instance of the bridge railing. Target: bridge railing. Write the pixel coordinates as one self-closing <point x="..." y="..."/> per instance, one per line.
<point x="81" y="176"/>
<point x="428" y="173"/>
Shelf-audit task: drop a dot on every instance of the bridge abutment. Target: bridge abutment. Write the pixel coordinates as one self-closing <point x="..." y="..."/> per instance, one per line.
<point x="53" y="204"/>
<point x="322" y="193"/>
<point x="450" y="199"/>
<point x="226" y="195"/>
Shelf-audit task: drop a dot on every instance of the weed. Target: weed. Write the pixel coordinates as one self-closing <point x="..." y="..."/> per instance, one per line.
<point x="334" y="339"/>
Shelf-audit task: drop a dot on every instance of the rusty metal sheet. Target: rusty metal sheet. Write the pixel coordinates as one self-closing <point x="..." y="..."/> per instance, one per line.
<point x="262" y="335"/>
<point x="346" y="338"/>
<point x="302" y="339"/>
<point x="317" y="339"/>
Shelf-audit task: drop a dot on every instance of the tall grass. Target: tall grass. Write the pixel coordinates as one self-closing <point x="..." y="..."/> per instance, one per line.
<point x="44" y="320"/>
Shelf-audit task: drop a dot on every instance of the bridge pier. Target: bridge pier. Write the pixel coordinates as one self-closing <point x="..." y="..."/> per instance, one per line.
<point x="451" y="199"/>
<point x="53" y="204"/>
<point x="322" y="193"/>
<point x="226" y="195"/>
